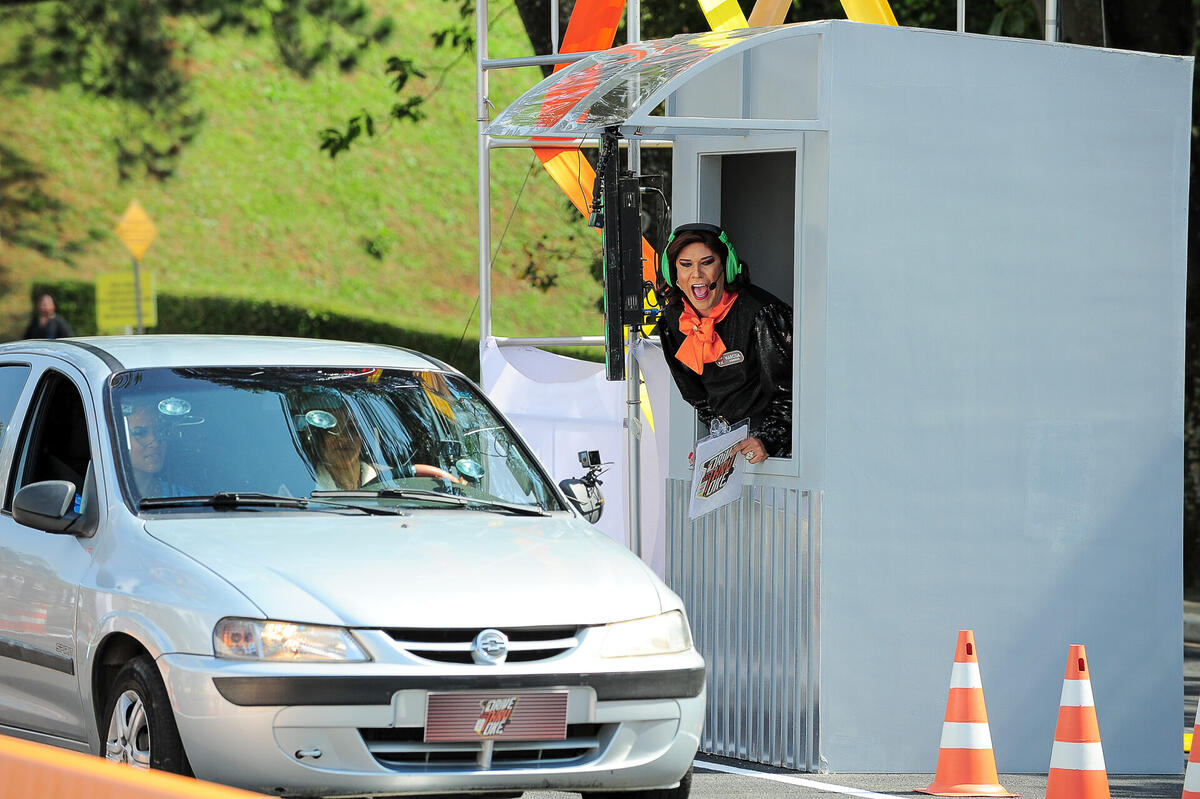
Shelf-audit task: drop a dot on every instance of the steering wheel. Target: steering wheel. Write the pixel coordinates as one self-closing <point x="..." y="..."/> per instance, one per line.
<point x="414" y="470"/>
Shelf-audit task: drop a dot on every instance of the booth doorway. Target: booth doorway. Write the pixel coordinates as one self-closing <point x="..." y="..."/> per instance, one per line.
<point x="757" y="196"/>
<point x="748" y="573"/>
<point x="753" y="194"/>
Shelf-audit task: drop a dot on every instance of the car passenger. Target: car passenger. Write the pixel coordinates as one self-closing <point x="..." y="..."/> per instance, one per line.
<point x="148" y="440"/>
<point x="339" y="446"/>
<point x="342" y="463"/>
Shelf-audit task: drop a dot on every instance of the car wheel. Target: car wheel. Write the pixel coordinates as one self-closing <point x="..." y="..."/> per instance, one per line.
<point x="680" y="791"/>
<point x="140" y="729"/>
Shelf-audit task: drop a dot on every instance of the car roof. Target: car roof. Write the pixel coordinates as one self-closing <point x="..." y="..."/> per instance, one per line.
<point x="145" y="352"/>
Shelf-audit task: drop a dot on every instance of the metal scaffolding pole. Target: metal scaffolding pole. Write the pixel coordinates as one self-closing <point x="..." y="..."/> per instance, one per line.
<point x="633" y="375"/>
<point x="484" y="172"/>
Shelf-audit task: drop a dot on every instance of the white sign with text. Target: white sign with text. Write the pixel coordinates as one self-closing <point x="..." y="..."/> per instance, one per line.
<point x="718" y="473"/>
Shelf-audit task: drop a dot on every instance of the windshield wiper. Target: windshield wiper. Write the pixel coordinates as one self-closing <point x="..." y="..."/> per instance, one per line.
<point x="438" y="497"/>
<point x="523" y="510"/>
<point x="231" y="500"/>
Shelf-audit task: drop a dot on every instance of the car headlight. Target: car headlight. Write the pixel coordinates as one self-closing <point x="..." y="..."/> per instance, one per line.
<point x="259" y="639"/>
<point x="655" y="635"/>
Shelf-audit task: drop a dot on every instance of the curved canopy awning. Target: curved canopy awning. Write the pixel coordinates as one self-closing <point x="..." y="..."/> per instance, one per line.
<point x="718" y="82"/>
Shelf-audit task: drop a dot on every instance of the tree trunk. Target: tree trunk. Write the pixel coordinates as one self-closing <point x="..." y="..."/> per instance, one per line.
<point x="535" y="16"/>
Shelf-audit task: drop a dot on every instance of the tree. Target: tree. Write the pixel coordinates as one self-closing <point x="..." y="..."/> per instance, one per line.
<point x="134" y="52"/>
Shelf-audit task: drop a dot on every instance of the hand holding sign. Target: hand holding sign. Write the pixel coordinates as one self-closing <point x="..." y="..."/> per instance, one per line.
<point x="719" y="471"/>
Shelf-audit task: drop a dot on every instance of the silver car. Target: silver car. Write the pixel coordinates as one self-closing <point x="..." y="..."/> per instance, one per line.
<point x="319" y="569"/>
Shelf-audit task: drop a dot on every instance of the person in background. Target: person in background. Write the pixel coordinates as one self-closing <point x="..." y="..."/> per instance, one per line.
<point x="728" y="343"/>
<point x="46" y="323"/>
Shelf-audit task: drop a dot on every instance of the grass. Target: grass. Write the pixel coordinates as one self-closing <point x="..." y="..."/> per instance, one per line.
<point x="255" y="210"/>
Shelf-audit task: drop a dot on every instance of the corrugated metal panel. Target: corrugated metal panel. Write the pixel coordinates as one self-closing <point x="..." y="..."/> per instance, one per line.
<point x="748" y="576"/>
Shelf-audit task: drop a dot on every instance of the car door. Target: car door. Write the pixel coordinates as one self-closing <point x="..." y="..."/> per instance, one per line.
<point x="40" y="571"/>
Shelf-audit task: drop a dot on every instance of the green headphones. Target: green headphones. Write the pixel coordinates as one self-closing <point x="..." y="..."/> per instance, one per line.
<point x="732" y="267"/>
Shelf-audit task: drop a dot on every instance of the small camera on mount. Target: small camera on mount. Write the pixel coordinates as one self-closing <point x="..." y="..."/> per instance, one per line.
<point x="584" y="492"/>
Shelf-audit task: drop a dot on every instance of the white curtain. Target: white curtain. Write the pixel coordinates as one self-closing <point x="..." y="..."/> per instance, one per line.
<point x="563" y="405"/>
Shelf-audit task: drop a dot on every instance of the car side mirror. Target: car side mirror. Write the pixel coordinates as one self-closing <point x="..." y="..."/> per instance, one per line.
<point x="47" y="505"/>
<point x="584" y="495"/>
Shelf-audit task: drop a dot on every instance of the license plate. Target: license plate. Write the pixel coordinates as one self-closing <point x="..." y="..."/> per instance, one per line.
<point x="488" y="715"/>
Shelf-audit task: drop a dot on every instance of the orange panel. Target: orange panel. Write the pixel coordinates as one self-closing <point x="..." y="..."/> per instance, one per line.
<point x="593" y="26"/>
<point x="34" y="770"/>
<point x="572" y="172"/>
<point x="575" y="176"/>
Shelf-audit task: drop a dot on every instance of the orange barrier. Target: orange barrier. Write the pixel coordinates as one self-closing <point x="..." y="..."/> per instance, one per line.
<point x="966" y="765"/>
<point x="593" y="26"/>
<point x="575" y="176"/>
<point x="1191" y="777"/>
<point x="44" y="772"/>
<point x="1077" y="759"/>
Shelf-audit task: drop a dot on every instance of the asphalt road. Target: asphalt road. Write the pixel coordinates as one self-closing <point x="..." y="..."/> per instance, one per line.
<point x="727" y="779"/>
<point x="776" y="785"/>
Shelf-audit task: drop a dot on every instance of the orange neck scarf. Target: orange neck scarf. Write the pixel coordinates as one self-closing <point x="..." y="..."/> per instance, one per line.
<point x="701" y="344"/>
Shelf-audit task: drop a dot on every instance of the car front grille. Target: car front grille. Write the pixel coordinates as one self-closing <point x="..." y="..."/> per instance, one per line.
<point x="525" y="644"/>
<point x="404" y="749"/>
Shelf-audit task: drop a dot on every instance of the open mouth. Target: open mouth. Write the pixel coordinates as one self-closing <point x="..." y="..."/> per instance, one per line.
<point x="700" y="292"/>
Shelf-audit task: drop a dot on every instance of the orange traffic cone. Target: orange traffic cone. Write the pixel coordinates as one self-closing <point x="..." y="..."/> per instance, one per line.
<point x="1191" y="777"/>
<point x="966" y="765"/>
<point x="1077" y="760"/>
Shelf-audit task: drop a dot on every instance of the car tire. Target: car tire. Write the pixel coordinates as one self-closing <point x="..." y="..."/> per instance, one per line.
<point x="138" y="727"/>
<point x="680" y="791"/>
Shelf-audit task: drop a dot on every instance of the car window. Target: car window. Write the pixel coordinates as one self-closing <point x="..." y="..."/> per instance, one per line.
<point x="12" y="381"/>
<point x="55" y="444"/>
<point x="197" y="432"/>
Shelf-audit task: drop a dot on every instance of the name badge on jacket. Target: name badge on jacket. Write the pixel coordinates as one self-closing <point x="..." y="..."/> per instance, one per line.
<point x="730" y="358"/>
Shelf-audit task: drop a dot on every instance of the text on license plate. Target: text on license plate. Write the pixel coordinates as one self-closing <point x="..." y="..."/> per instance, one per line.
<point x="479" y="715"/>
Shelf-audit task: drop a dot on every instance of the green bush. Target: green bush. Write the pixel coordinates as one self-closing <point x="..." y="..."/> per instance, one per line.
<point x="76" y="302"/>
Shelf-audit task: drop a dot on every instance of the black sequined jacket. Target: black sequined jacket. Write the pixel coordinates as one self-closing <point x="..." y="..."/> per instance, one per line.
<point x="753" y="378"/>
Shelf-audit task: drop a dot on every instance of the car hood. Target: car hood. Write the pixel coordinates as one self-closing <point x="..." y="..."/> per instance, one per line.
<point x="457" y="568"/>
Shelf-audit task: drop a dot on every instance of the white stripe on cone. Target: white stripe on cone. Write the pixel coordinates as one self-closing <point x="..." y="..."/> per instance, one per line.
<point x="1077" y="756"/>
<point x="966" y="735"/>
<point x="1191" y="780"/>
<point x="965" y="675"/>
<point x="1077" y="693"/>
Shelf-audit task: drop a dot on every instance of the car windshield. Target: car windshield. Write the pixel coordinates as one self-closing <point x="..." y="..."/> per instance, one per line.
<point x="362" y="435"/>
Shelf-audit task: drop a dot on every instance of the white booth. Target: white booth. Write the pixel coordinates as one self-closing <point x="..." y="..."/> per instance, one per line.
<point x="984" y="241"/>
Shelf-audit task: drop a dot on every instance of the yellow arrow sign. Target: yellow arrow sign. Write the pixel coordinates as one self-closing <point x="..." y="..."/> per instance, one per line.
<point x="136" y="229"/>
